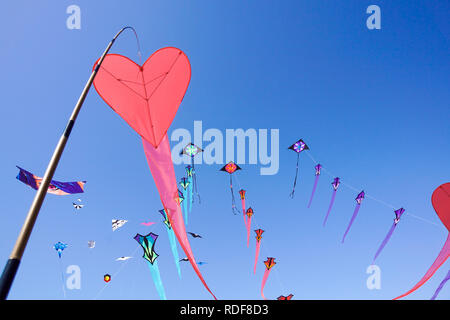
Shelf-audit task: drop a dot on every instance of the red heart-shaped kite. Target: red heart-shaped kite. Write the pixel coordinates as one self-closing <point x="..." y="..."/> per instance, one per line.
<point x="146" y="97"/>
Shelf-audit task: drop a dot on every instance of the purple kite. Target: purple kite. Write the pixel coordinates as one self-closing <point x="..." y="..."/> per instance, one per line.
<point x="55" y="187"/>
<point x="398" y="214"/>
<point x="335" y="185"/>
<point x="298" y="147"/>
<point x="318" y="167"/>
<point x="359" y="198"/>
<point x="441" y="285"/>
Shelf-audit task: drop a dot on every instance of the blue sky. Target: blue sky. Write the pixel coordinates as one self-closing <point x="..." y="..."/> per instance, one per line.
<point x="371" y="104"/>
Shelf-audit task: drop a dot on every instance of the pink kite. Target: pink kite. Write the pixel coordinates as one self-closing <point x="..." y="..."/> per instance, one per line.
<point x="440" y="200"/>
<point x="148" y="224"/>
<point x="269" y="263"/>
<point x="147" y="97"/>
<point x="259" y="233"/>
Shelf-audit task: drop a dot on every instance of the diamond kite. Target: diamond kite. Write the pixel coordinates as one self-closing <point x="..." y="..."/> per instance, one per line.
<point x="297" y="147"/>
<point x="148" y="244"/>
<point x="231" y="168"/>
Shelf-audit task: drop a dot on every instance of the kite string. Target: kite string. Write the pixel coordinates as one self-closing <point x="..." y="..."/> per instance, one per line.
<point x="388" y="205"/>
<point x="116" y="273"/>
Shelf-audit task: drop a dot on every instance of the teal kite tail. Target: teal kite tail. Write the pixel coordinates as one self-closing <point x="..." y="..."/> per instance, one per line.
<point x="185" y="207"/>
<point x="157" y="279"/>
<point x="173" y="246"/>
<point x="191" y="198"/>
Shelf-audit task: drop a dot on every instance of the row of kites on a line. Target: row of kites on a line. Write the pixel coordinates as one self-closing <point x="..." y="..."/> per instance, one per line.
<point x="147" y="97"/>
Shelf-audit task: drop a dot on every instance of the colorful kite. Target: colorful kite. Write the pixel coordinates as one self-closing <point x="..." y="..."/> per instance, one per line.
<point x="249" y="214"/>
<point x="335" y="185"/>
<point x="289" y="297"/>
<point x="148" y="244"/>
<point x="359" y="198"/>
<point x="318" y="167"/>
<point x="116" y="224"/>
<point x="259" y="233"/>
<point x="55" y="187"/>
<point x="441" y="285"/>
<point x="107" y="278"/>
<point x="298" y="147"/>
<point x="398" y="214"/>
<point x="440" y="200"/>
<point x="59" y="247"/>
<point x="191" y="150"/>
<point x="231" y="168"/>
<point x="172" y="240"/>
<point x="269" y="263"/>
<point x="242" y="195"/>
<point x="147" y="97"/>
<point x="184" y="183"/>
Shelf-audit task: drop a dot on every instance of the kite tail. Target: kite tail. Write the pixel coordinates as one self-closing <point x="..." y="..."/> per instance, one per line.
<point x="443" y="255"/>
<point x="161" y="166"/>
<point x="258" y="247"/>
<point x="154" y="270"/>
<point x="194" y="178"/>
<point x="173" y="246"/>
<point x="62" y="278"/>
<point x="329" y="208"/>
<point x="355" y="213"/>
<point x="185" y="206"/>
<point x="249" y="223"/>
<point x="233" y="200"/>
<point x="243" y="211"/>
<point x="190" y="193"/>
<point x="313" y="190"/>
<point x="296" y="174"/>
<point x="266" y="275"/>
<point x="385" y="241"/>
<point x="441" y="285"/>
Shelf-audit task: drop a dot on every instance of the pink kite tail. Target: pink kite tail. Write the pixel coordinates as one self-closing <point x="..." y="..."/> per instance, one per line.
<point x="243" y="210"/>
<point x="249" y="223"/>
<point x="355" y="213"/>
<point x="160" y="162"/>
<point x="443" y="255"/>
<point x="313" y="190"/>
<point x="441" y="285"/>
<point x="385" y="241"/>
<point x="329" y="208"/>
<point x="258" y="246"/>
<point x="266" y="275"/>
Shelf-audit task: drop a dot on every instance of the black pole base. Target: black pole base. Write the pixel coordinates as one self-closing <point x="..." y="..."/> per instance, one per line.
<point x="7" y="277"/>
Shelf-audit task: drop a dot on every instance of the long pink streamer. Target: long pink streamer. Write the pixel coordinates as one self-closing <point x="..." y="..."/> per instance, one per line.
<point x="442" y="257"/>
<point x="266" y="275"/>
<point x="243" y="210"/>
<point x="160" y="162"/>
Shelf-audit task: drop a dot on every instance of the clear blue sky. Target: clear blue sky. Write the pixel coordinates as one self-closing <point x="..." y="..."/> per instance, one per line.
<point x="373" y="105"/>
